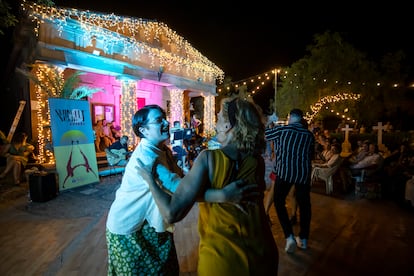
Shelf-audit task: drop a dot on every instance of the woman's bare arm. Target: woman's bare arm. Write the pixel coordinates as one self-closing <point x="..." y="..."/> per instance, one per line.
<point x="194" y="186"/>
<point x="174" y="207"/>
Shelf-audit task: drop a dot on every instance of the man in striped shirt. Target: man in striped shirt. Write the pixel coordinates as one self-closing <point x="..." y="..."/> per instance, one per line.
<point x="294" y="150"/>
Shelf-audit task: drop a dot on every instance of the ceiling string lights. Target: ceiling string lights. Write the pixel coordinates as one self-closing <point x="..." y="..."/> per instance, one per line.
<point x="134" y="36"/>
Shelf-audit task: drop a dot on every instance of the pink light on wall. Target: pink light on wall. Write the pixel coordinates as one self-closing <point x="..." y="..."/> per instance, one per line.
<point x="148" y="92"/>
<point x="111" y="91"/>
<point x="141" y="103"/>
<point x="151" y="92"/>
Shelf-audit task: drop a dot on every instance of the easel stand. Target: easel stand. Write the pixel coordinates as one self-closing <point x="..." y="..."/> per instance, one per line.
<point x="16" y="120"/>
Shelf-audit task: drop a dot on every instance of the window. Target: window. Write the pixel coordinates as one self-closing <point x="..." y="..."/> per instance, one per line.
<point x="103" y="111"/>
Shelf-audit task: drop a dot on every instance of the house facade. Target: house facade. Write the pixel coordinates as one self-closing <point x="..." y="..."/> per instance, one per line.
<point x="132" y="61"/>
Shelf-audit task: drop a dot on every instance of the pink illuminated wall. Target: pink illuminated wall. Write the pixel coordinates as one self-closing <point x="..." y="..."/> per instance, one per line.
<point x="110" y="95"/>
<point x="147" y="93"/>
<point x="152" y="93"/>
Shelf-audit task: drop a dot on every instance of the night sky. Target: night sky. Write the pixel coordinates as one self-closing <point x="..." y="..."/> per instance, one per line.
<point x="245" y="40"/>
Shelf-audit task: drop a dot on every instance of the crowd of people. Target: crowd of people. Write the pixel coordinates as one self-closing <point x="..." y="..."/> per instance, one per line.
<point x="393" y="169"/>
<point x="227" y="183"/>
<point x="105" y="134"/>
<point x="300" y="155"/>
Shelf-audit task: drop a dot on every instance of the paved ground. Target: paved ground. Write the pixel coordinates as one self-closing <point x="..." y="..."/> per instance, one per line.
<point x="86" y="201"/>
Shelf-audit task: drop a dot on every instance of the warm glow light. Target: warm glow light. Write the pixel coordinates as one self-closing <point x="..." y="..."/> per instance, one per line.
<point x="330" y="99"/>
<point x="128" y="107"/>
<point x="131" y="37"/>
<point x="46" y="75"/>
<point x="176" y="106"/>
<point x="209" y="116"/>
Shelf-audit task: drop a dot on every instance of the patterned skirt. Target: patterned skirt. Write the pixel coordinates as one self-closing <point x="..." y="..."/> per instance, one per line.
<point x="144" y="252"/>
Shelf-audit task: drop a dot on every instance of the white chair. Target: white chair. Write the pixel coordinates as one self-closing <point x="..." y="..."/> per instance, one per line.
<point x="326" y="174"/>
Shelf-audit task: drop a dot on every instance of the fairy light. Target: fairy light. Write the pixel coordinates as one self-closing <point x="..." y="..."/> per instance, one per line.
<point x="128" y="105"/>
<point x="45" y="74"/>
<point x="209" y="115"/>
<point x="134" y="40"/>
<point x="139" y="40"/>
<point x="40" y="125"/>
<point x="331" y="99"/>
<point x="258" y="83"/>
<point x="176" y="106"/>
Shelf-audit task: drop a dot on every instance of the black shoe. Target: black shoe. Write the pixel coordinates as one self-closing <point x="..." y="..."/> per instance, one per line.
<point x="293" y="220"/>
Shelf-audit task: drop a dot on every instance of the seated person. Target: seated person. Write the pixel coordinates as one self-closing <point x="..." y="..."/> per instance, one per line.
<point x="17" y="154"/>
<point x="371" y="162"/>
<point x="101" y="140"/>
<point x="359" y="147"/>
<point x="324" y="155"/>
<point x="360" y="153"/>
<point x="106" y="126"/>
<point x="324" y="170"/>
<point x="117" y="153"/>
<point x="116" y="131"/>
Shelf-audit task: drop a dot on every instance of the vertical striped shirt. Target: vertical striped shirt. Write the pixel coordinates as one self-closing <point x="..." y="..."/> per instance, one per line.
<point x="294" y="149"/>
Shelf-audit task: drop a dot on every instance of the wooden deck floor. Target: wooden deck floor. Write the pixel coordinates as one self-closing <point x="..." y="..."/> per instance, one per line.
<point x="348" y="237"/>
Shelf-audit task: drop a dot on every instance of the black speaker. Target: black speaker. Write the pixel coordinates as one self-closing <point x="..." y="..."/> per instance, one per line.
<point x="42" y="187"/>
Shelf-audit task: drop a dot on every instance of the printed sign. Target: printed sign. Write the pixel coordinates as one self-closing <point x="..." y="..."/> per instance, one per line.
<point x="73" y="142"/>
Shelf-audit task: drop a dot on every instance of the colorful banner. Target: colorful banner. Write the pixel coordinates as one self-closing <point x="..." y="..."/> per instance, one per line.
<point x="73" y="142"/>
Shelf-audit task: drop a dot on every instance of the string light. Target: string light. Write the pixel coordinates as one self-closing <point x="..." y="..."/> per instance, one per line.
<point x="209" y="115"/>
<point x="176" y="106"/>
<point x="258" y="82"/>
<point x="331" y="99"/>
<point x="134" y="39"/>
<point x="46" y="74"/>
<point x="128" y="103"/>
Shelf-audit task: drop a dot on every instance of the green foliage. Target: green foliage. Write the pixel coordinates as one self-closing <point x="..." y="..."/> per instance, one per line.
<point x="7" y="19"/>
<point x="83" y="91"/>
<point x="49" y="3"/>
<point x="53" y="84"/>
<point x="334" y="66"/>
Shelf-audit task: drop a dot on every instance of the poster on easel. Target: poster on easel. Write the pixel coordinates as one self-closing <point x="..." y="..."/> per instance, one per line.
<point x="73" y="142"/>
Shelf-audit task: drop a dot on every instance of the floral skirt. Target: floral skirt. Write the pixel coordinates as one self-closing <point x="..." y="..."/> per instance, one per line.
<point x="144" y="252"/>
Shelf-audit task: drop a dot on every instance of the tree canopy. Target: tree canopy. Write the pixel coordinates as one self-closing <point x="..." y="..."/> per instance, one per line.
<point x="334" y="67"/>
